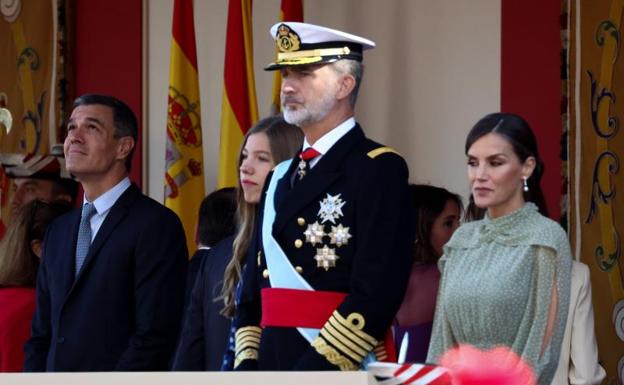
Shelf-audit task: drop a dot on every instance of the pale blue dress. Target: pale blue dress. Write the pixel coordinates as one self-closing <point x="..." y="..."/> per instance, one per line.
<point x="497" y="277"/>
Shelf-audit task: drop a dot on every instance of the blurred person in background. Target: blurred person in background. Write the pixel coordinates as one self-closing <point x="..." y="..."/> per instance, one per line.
<point x="215" y="222"/>
<point x="437" y="212"/>
<point x="20" y="251"/>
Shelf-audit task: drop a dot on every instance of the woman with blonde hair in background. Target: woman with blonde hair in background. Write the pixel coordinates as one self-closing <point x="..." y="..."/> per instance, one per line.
<point x="213" y="299"/>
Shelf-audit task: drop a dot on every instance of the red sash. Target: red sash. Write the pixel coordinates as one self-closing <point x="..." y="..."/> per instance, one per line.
<point x="307" y="309"/>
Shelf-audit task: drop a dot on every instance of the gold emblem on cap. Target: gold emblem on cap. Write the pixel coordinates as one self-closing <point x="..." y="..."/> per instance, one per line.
<point x="287" y="40"/>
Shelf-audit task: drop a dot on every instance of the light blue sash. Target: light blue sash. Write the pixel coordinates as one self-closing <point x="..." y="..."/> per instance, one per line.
<point x="282" y="274"/>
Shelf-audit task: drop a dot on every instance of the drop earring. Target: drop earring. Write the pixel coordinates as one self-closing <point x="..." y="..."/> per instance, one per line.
<point x="525" y="186"/>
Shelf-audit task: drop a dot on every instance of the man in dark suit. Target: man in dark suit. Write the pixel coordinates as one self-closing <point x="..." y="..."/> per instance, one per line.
<point x="111" y="283"/>
<point x="336" y="232"/>
<point x="205" y="330"/>
<point x="215" y="222"/>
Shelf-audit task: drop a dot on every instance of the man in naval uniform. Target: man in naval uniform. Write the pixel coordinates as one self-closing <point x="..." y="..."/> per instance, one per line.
<point x="328" y="270"/>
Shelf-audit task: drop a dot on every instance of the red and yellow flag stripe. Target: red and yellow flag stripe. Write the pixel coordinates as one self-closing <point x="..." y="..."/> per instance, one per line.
<point x="184" y="174"/>
<point x="239" y="109"/>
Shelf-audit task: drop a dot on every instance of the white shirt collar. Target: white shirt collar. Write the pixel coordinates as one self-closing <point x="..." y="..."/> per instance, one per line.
<point x="104" y="202"/>
<point x="328" y="140"/>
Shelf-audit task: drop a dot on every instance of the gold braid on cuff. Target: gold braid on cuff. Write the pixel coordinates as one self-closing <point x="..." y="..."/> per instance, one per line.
<point x="247" y="343"/>
<point x="247" y="354"/>
<point x="346" y="338"/>
<point x="332" y="355"/>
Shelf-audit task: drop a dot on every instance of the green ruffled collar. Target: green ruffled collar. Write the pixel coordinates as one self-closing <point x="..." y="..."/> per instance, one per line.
<point x="523" y="226"/>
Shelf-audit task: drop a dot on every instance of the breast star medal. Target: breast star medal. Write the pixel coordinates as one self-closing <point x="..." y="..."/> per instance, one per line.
<point x="314" y="233"/>
<point x="331" y="208"/>
<point x="339" y="235"/>
<point x="326" y="257"/>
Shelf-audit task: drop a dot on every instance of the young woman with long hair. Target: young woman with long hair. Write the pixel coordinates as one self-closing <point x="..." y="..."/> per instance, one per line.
<point x="204" y="339"/>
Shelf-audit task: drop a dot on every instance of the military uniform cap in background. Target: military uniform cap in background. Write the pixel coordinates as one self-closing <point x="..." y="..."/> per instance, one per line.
<point x="33" y="166"/>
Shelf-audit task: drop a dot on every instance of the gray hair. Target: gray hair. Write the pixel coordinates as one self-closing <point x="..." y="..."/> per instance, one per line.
<point x="354" y="68"/>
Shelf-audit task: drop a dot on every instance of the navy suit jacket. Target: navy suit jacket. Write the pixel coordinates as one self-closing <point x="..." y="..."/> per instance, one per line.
<point x="123" y="311"/>
<point x="205" y="332"/>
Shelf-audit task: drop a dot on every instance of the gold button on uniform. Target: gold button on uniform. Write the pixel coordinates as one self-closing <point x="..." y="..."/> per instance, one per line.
<point x="298" y="243"/>
<point x="301" y="221"/>
<point x="299" y="269"/>
<point x="265" y="273"/>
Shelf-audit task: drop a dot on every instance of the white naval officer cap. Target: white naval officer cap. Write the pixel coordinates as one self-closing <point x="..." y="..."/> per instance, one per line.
<point x="304" y="44"/>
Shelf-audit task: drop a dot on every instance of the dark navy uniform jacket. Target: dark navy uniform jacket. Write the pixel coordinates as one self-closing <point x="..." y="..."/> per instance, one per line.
<point x="357" y="193"/>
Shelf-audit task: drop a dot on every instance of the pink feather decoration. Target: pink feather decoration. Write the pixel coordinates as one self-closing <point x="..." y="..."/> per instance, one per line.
<point x="499" y="366"/>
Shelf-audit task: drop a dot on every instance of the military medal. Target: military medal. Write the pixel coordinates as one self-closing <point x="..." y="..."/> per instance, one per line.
<point x="326" y="257"/>
<point x="301" y="169"/>
<point x="331" y="208"/>
<point x="314" y="233"/>
<point x="339" y="235"/>
<point x="305" y="156"/>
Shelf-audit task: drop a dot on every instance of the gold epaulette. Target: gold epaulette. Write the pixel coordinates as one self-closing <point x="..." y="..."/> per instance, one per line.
<point x="343" y="342"/>
<point x="247" y="343"/>
<point x="381" y="150"/>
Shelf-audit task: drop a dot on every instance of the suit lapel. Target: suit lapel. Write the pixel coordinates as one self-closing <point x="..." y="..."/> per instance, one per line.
<point x="115" y="215"/>
<point x="284" y="185"/>
<point x="326" y="171"/>
<point x="68" y="265"/>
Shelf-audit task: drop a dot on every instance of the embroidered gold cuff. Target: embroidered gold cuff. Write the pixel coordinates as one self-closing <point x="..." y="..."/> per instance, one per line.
<point x="339" y="329"/>
<point x="332" y="355"/>
<point x="351" y="327"/>
<point x="346" y="338"/>
<point x="247" y="354"/>
<point x="346" y="348"/>
<point x="247" y="337"/>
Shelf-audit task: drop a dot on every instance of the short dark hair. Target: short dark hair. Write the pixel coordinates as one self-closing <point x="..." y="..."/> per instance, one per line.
<point x="123" y="118"/>
<point x="217" y="216"/>
<point x="428" y="202"/>
<point x="517" y="132"/>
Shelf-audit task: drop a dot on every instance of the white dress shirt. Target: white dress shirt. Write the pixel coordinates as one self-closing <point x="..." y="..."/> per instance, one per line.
<point x="328" y="140"/>
<point x="103" y="204"/>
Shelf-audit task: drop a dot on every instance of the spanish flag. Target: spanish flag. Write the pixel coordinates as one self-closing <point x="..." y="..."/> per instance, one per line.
<point x="184" y="174"/>
<point x="290" y="10"/>
<point x="239" y="109"/>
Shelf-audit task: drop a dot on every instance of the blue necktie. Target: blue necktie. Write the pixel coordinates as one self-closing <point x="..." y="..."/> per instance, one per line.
<point x="84" y="235"/>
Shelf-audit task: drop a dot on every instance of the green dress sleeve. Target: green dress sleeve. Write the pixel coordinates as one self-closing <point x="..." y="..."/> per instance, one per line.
<point x="532" y="335"/>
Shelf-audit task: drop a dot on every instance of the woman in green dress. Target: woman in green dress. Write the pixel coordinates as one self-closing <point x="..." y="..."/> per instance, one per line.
<point x="506" y="277"/>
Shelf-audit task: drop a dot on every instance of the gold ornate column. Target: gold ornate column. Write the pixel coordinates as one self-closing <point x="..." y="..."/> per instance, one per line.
<point x="596" y="150"/>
